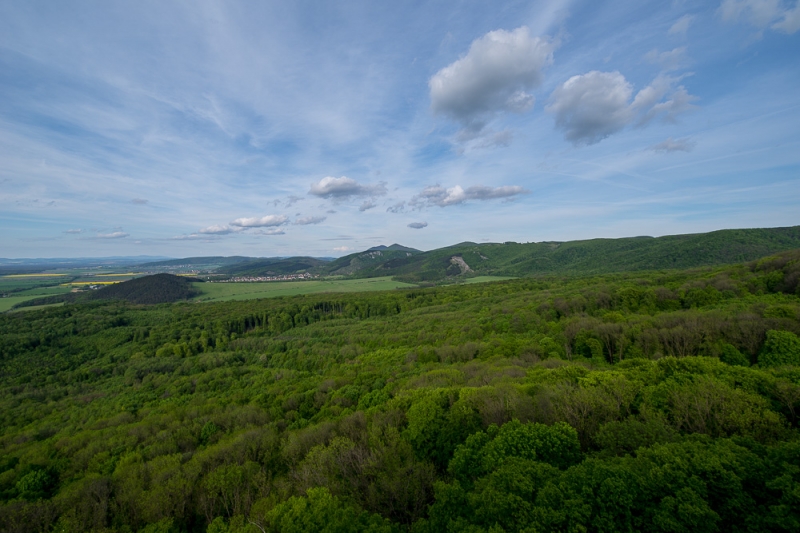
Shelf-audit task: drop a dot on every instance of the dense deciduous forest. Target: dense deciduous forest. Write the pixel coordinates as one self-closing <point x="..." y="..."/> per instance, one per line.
<point x="651" y="401"/>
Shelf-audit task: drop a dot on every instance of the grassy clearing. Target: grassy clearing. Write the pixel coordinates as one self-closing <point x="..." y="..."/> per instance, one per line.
<point x="218" y="292"/>
<point x="92" y="283"/>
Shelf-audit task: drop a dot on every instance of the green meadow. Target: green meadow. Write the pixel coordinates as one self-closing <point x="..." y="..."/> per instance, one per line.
<point x="220" y="292"/>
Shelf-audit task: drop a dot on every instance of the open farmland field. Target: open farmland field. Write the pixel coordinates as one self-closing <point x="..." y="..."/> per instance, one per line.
<point x="220" y="292"/>
<point x="30" y="294"/>
<point x="40" y="275"/>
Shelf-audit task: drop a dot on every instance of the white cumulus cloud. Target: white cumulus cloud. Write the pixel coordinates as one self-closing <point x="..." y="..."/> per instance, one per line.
<point x="260" y="222"/>
<point x="590" y="107"/>
<point x="495" y="75"/>
<point x="344" y="187"/>
<point x="437" y="195"/>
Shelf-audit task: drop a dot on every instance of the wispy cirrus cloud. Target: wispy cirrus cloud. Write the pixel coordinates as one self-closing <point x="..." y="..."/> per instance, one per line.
<point x="674" y="145"/>
<point x="775" y="14"/>
<point x="681" y="26"/>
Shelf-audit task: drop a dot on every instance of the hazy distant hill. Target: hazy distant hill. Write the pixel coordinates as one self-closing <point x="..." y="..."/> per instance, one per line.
<point x="581" y="257"/>
<point x="274" y="266"/>
<point x="394" y="248"/>
<point x="211" y="262"/>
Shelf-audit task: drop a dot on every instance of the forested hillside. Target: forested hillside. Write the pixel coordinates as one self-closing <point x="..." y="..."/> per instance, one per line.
<point x="648" y="401"/>
<point x="155" y="289"/>
<point x="595" y="256"/>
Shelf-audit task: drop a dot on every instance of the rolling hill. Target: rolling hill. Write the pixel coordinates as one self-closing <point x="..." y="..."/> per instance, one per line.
<point x="364" y="264"/>
<point x="155" y="289"/>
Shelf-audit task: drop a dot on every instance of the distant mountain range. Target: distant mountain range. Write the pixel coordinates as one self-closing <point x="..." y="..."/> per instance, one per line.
<point x="467" y="259"/>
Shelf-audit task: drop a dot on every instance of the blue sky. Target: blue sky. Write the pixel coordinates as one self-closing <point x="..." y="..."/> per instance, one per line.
<point x="322" y="128"/>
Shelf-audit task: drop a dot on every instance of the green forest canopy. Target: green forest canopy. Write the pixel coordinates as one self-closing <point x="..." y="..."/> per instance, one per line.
<point x="649" y="401"/>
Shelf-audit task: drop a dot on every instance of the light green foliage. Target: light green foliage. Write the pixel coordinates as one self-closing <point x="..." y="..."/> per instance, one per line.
<point x="320" y="511"/>
<point x="780" y="348"/>
<point x="611" y="403"/>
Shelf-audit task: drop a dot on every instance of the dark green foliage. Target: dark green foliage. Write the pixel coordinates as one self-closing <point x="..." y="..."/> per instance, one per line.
<point x="155" y="289"/>
<point x="622" y="402"/>
<point x="622" y="437"/>
<point x="483" y="453"/>
<point x="729" y="354"/>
